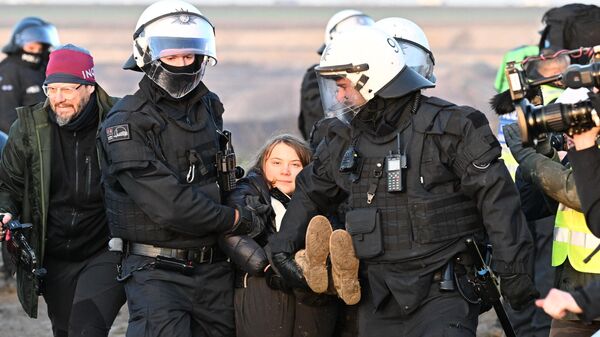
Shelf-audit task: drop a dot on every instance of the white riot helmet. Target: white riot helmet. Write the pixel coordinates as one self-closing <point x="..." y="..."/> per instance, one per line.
<point x="414" y="44"/>
<point x="360" y="63"/>
<point x="343" y="20"/>
<point x="167" y="28"/>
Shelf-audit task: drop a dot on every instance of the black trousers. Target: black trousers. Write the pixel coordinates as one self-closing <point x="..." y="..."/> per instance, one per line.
<point x="83" y="297"/>
<point x="262" y="311"/>
<point x="440" y="314"/>
<point x="168" y="303"/>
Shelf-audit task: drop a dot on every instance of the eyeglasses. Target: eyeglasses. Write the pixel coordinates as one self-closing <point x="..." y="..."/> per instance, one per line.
<point x="67" y="92"/>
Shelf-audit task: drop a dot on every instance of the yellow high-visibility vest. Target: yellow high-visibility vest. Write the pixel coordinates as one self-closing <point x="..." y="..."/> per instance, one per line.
<point x="550" y="93"/>
<point x="573" y="239"/>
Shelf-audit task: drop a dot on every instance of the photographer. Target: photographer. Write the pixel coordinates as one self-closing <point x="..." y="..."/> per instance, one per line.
<point x="544" y="170"/>
<point x="586" y="162"/>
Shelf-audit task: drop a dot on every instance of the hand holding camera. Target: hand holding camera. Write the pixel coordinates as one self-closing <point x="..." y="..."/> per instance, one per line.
<point x="5" y="232"/>
<point x="572" y="118"/>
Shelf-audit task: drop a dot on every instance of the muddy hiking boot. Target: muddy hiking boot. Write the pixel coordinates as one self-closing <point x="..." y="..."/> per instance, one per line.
<point x="344" y="267"/>
<point x="313" y="260"/>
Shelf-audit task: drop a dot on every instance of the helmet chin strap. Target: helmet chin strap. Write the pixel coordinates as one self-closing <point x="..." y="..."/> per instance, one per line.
<point x="141" y="45"/>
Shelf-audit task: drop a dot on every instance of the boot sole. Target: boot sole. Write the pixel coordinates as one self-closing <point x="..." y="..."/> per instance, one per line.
<point x="344" y="266"/>
<point x="317" y="249"/>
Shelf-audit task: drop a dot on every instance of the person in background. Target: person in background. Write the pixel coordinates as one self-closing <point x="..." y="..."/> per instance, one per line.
<point x="22" y="72"/>
<point x="52" y="143"/>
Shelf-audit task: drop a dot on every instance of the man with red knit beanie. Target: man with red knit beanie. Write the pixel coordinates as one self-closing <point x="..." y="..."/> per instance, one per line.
<point x="50" y="177"/>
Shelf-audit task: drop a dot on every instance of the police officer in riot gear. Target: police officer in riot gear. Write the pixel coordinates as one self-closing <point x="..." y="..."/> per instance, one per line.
<point x="311" y="108"/>
<point x="421" y="175"/>
<point x="160" y="176"/>
<point x="22" y="72"/>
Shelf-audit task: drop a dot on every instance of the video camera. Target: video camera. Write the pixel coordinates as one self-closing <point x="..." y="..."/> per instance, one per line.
<point x="24" y="253"/>
<point x="558" y="117"/>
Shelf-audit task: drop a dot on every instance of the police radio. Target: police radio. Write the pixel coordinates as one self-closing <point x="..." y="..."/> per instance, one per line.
<point x="227" y="170"/>
<point x="395" y="163"/>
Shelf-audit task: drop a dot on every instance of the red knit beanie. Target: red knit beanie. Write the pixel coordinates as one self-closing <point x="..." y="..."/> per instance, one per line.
<point x="70" y="64"/>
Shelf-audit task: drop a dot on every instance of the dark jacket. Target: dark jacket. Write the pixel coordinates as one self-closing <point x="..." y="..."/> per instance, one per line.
<point x="25" y="181"/>
<point x="588" y="298"/>
<point x="161" y="167"/>
<point x="556" y="180"/>
<point x="20" y="85"/>
<point x="77" y="227"/>
<point x="248" y="253"/>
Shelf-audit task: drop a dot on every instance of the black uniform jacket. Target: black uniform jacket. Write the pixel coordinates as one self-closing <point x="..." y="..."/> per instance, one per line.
<point x="464" y="145"/>
<point x="156" y="186"/>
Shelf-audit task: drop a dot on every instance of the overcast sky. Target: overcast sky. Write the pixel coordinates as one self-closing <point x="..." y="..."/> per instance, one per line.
<point x="345" y="3"/>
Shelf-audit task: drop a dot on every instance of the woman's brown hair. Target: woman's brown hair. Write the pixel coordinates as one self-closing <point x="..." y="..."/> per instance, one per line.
<point x="301" y="147"/>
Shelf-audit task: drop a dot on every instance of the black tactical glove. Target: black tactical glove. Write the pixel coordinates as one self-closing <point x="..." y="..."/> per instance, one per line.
<point x="595" y="99"/>
<point x="289" y="270"/>
<point x="275" y="281"/>
<point x="544" y="146"/>
<point x="248" y="223"/>
<point x="518" y="290"/>
<point x="512" y="136"/>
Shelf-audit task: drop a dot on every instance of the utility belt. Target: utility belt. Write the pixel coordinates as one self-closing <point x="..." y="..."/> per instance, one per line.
<point x="173" y="259"/>
<point x="206" y="254"/>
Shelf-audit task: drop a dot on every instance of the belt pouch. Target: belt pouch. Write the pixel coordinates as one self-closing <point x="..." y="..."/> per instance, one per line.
<point x="364" y="225"/>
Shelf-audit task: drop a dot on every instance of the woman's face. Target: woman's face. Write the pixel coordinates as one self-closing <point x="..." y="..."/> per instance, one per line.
<point x="281" y="168"/>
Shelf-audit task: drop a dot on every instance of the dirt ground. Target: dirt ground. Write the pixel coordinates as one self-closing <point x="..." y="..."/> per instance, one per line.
<point x="263" y="53"/>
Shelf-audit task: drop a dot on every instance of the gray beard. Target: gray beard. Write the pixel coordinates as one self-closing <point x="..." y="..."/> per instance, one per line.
<point x="62" y="121"/>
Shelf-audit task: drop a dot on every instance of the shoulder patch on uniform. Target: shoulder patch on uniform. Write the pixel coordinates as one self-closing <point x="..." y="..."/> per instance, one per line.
<point x="478" y="119"/>
<point x="117" y="133"/>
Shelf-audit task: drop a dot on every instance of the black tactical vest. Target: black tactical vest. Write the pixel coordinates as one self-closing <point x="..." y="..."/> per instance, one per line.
<point x="189" y="151"/>
<point x="430" y="213"/>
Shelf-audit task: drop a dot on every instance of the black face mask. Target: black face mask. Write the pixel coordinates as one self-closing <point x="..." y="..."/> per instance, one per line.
<point x="176" y="81"/>
<point x="35" y="60"/>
